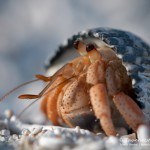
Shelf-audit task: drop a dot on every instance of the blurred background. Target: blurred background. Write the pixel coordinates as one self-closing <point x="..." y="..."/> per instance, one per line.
<point x="31" y="30"/>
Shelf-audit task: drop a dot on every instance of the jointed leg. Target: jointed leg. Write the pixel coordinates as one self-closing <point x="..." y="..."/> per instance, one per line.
<point x="50" y="100"/>
<point x="43" y="78"/>
<point x="129" y="110"/>
<point x="101" y="107"/>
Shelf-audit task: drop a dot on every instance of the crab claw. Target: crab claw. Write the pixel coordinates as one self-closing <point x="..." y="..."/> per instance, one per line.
<point x="129" y="110"/>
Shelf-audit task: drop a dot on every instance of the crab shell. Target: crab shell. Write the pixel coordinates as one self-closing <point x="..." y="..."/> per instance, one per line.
<point x="133" y="51"/>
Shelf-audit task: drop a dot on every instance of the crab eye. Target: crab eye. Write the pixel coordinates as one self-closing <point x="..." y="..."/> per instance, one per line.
<point x="81" y="47"/>
<point x="90" y="47"/>
<point x="76" y="44"/>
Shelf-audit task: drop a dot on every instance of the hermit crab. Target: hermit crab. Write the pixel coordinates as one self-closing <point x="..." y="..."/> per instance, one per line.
<point x="107" y="86"/>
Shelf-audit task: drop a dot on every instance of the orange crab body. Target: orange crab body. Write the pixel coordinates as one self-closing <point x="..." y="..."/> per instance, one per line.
<point x="105" y="88"/>
<point x="93" y="90"/>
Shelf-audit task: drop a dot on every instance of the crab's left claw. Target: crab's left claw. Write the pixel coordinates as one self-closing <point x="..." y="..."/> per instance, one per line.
<point x="129" y="110"/>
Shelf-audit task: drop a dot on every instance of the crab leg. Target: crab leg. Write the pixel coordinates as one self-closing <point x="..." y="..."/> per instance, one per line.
<point x="101" y="107"/>
<point x="43" y="78"/>
<point x="129" y="110"/>
<point x="49" y="102"/>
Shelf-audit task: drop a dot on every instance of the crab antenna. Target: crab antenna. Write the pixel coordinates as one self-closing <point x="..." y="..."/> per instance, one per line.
<point x="46" y="92"/>
<point x="43" y="92"/>
<point x="51" y="79"/>
<point x="14" y="89"/>
<point x="21" y="113"/>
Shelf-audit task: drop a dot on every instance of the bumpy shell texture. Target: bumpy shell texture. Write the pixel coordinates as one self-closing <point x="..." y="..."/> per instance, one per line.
<point x="133" y="51"/>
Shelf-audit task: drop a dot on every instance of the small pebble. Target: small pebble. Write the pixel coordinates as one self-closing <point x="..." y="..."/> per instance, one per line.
<point x="15" y="137"/>
<point x="124" y="141"/>
<point x="112" y="141"/>
<point x="100" y="135"/>
<point x="13" y="119"/>
<point x="11" y="139"/>
<point x="51" y="143"/>
<point x="25" y="132"/>
<point x="87" y="132"/>
<point x="8" y="113"/>
<point x="2" y="139"/>
<point x="130" y="136"/>
<point x="129" y="139"/>
<point x="57" y="132"/>
<point x="5" y="133"/>
<point x="51" y="129"/>
<point x="77" y="129"/>
<point x="35" y="131"/>
<point x="143" y="134"/>
<point x="69" y="135"/>
<point x="49" y="133"/>
<point x="82" y="131"/>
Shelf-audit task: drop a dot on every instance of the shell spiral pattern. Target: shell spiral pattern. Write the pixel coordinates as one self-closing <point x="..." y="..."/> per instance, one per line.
<point x="133" y="51"/>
